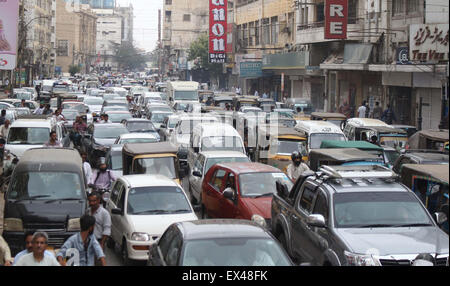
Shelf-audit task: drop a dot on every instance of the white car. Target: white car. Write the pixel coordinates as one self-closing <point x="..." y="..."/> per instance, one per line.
<point x="185" y="126"/>
<point x="204" y="161"/>
<point x="136" y="138"/>
<point x="142" y="207"/>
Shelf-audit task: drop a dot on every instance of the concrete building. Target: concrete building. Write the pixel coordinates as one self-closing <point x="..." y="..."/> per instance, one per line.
<point x="76" y="33"/>
<point x="184" y="21"/>
<point x="127" y="15"/>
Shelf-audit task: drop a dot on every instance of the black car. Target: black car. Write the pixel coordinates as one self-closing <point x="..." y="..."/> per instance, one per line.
<point x="222" y="242"/>
<point x="99" y="137"/>
<point x="419" y="157"/>
<point x="47" y="192"/>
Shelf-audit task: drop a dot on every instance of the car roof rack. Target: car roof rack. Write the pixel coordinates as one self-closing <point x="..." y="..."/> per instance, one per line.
<point x="343" y="172"/>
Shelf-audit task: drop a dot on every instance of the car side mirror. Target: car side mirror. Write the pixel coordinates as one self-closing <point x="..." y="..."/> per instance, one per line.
<point x="282" y="189"/>
<point x="229" y="194"/>
<point x="197" y="174"/>
<point x="440" y="218"/>
<point x="117" y="211"/>
<point x="316" y="220"/>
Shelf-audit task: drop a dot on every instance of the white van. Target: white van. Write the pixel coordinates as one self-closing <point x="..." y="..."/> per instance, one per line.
<point x="318" y="131"/>
<point x="185" y="126"/>
<point x="182" y="91"/>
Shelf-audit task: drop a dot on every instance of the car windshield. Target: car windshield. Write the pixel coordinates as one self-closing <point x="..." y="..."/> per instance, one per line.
<point x="46" y="185"/>
<point x="157" y="200"/>
<point x="180" y="106"/>
<point x="256" y="184"/>
<point x="109" y="132"/>
<point x="213" y="161"/>
<point x="156" y="166"/>
<point x="287" y="147"/>
<point x="159" y="117"/>
<point x="317" y="138"/>
<point x="222" y="143"/>
<point x="186" y="95"/>
<point x="140" y="126"/>
<point x="119" y="117"/>
<point x="93" y="101"/>
<point x="137" y="140"/>
<point x="28" y="136"/>
<point x="233" y="252"/>
<point x="372" y="209"/>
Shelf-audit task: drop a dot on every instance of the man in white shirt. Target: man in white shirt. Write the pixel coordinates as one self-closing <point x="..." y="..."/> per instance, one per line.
<point x="86" y="167"/>
<point x="4" y="129"/>
<point x="297" y="167"/>
<point x="37" y="257"/>
<point x="256" y="93"/>
<point x="39" y="110"/>
<point x="362" y="110"/>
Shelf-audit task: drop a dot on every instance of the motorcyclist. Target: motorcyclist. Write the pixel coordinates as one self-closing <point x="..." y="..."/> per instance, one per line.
<point x="79" y="128"/>
<point x="102" y="178"/>
<point x="297" y="167"/>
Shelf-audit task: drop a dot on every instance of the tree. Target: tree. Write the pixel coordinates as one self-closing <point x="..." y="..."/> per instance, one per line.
<point x="129" y="58"/>
<point x="74" y="69"/>
<point x="199" y="49"/>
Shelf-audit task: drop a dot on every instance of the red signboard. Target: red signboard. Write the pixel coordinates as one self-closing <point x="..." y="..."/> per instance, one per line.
<point x="336" y="17"/>
<point x="217" y="30"/>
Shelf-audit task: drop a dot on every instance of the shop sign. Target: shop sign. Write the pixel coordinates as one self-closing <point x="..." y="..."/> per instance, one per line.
<point x="251" y="69"/>
<point x="403" y="56"/>
<point x="218" y="30"/>
<point x="336" y="18"/>
<point x="9" y="20"/>
<point x="428" y="43"/>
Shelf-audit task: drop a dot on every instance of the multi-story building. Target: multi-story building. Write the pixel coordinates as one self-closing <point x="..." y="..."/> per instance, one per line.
<point x="76" y="33"/>
<point x="184" y="22"/>
<point x="127" y="15"/>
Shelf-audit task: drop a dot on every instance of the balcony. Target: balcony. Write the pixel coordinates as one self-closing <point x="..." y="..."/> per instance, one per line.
<point x="315" y="33"/>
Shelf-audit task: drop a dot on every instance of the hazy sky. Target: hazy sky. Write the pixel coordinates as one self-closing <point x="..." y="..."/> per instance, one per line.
<point x="145" y="21"/>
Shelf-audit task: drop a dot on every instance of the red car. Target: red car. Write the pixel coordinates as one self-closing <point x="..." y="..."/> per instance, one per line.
<point x="241" y="191"/>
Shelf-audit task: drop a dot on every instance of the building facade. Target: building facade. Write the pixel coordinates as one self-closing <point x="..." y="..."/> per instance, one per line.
<point x="76" y="34"/>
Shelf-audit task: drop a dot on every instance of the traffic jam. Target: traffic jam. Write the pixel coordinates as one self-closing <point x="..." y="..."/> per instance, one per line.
<point x="175" y="175"/>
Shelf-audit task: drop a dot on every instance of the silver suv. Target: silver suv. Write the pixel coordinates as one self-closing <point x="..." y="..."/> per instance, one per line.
<point x="355" y="216"/>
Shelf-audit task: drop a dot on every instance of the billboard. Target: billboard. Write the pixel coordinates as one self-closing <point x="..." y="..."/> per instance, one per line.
<point x="9" y="22"/>
<point x="428" y="43"/>
<point x="336" y="18"/>
<point x="218" y="30"/>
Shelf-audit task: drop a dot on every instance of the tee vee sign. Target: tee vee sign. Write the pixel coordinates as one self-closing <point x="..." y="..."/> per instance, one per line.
<point x="336" y="17"/>
<point x="217" y="30"/>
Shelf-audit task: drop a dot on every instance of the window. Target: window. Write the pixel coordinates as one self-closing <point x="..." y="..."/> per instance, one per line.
<point x="187" y="17"/>
<point x="121" y="202"/>
<point x="321" y="206"/>
<point x="165" y="241"/>
<point x="257" y="33"/>
<point x="115" y="192"/>
<point x="274" y="30"/>
<point x="245" y="35"/>
<point x="412" y="6"/>
<point x="352" y="11"/>
<point x="168" y="16"/>
<point x="266" y="31"/>
<point x="231" y="181"/>
<point x="320" y="16"/>
<point x="307" y="199"/>
<point x="174" y="250"/>
<point x="217" y="180"/>
<point x="168" y="2"/>
<point x="63" y="48"/>
<point x="398" y="7"/>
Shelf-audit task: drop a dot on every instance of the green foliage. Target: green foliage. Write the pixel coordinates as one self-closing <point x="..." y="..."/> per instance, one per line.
<point x="74" y="69"/>
<point x="129" y="58"/>
<point x="199" y="49"/>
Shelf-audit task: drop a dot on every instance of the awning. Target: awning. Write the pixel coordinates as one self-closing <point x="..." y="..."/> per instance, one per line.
<point x="354" y="57"/>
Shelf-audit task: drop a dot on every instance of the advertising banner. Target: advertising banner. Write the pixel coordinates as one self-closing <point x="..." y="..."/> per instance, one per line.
<point x="428" y="43"/>
<point x="217" y="30"/>
<point x="9" y="22"/>
<point x="336" y="18"/>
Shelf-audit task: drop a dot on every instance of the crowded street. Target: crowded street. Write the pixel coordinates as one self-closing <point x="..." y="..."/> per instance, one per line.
<point x="266" y="136"/>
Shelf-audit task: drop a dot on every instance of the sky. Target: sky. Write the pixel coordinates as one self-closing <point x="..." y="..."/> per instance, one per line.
<point x="145" y="21"/>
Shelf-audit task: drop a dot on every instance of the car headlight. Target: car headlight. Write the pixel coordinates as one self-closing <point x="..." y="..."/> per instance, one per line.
<point x="13" y="224"/>
<point x="354" y="259"/>
<point x="259" y="220"/>
<point x="140" y="236"/>
<point x="73" y="224"/>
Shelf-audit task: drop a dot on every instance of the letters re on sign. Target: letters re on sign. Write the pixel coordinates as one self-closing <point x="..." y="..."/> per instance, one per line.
<point x="336" y="17"/>
<point x="217" y="30"/>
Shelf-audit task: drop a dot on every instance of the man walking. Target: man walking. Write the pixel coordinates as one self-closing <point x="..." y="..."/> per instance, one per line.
<point x="102" y="229"/>
<point x="362" y="110"/>
<point x="377" y="111"/>
<point x="389" y="115"/>
<point x="37" y="256"/>
<point x="85" y="243"/>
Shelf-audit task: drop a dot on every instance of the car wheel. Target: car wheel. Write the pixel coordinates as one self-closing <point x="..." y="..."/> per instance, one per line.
<point x="126" y="260"/>
<point x="110" y="243"/>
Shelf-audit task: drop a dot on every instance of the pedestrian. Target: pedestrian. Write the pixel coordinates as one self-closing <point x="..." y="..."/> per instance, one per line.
<point x="256" y="93"/>
<point x="377" y="111"/>
<point x="39" y="110"/>
<point x="85" y="243"/>
<point x="362" y="110"/>
<point x="238" y="91"/>
<point x="3" y="117"/>
<point x="367" y="110"/>
<point x="265" y="95"/>
<point x="38" y="90"/>
<point x="29" y="248"/>
<point x="53" y="142"/>
<point x="37" y="256"/>
<point x="102" y="229"/>
<point x="5" y="253"/>
<point x="86" y="167"/>
<point x="389" y="115"/>
<point x="4" y="129"/>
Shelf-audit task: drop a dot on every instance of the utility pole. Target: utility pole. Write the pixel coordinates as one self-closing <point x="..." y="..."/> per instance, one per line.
<point x="159" y="46"/>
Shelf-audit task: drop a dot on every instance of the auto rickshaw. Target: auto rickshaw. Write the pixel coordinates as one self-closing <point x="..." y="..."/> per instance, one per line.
<point x="152" y="158"/>
<point x="222" y="101"/>
<point x="429" y="139"/>
<point x="342" y="156"/>
<point x="430" y="184"/>
<point x="386" y="136"/>
<point x="203" y="95"/>
<point x="247" y="100"/>
<point x="336" y="118"/>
